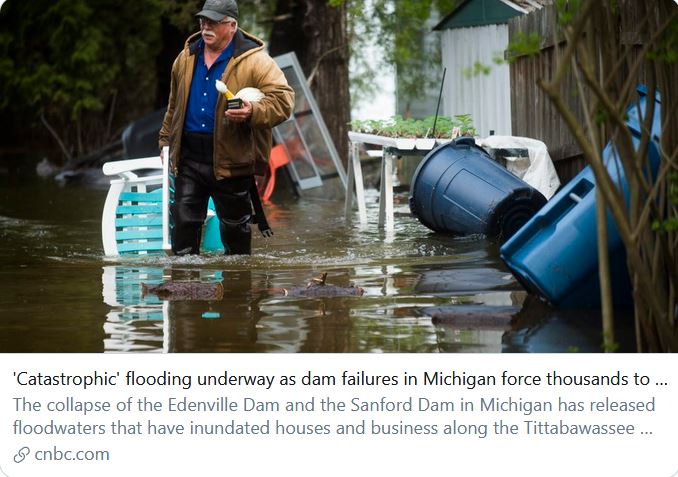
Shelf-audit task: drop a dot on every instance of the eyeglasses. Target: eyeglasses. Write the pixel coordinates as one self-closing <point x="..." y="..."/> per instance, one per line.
<point x="211" y="23"/>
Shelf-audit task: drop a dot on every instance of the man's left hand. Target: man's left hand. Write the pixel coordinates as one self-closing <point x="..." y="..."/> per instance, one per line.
<point x="240" y="115"/>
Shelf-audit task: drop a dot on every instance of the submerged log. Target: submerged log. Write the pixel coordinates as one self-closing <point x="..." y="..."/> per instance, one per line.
<point x="185" y="291"/>
<point x="473" y="317"/>
<point x="318" y="288"/>
<point x="322" y="291"/>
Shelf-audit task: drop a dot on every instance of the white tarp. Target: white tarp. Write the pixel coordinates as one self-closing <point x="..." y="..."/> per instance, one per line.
<point x="537" y="169"/>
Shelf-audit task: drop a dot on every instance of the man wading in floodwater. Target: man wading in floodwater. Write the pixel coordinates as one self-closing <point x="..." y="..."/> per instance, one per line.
<point x="215" y="151"/>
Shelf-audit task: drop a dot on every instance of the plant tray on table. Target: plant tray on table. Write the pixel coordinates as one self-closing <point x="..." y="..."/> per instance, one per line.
<point x="411" y="133"/>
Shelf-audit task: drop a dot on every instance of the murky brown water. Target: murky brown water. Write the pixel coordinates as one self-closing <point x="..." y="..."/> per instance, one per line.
<point x="58" y="293"/>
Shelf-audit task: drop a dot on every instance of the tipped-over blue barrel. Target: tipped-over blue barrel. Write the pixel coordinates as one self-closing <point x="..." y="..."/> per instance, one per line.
<point x="458" y="189"/>
<point x="555" y="255"/>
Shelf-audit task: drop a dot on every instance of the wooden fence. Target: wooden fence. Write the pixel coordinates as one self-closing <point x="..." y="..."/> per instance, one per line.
<point x="533" y="114"/>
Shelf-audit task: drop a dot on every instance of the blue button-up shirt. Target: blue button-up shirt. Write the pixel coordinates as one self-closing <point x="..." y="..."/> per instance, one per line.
<point x="202" y="100"/>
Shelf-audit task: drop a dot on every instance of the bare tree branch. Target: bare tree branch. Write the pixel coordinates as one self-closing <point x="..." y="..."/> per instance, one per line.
<point x="56" y="137"/>
<point x="311" y="77"/>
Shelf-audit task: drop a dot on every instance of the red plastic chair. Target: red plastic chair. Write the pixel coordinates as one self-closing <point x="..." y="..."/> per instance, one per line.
<point x="277" y="159"/>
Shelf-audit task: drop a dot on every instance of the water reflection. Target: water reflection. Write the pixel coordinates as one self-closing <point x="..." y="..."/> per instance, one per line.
<point x="141" y="321"/>
<point x="406" y="308"/>
<point x="135" y="322"/>
<point x="539" y="328"/>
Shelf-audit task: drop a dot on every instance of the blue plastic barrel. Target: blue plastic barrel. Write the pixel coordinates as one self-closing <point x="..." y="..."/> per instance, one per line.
<point x="458" y="189"/>
<point x="555" y="255"/>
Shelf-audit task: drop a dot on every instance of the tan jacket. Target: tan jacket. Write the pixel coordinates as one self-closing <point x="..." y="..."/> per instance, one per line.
<point x="239" y="148"/>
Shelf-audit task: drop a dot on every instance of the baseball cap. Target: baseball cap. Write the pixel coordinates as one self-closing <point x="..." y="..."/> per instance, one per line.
<point x="217" y="10"/>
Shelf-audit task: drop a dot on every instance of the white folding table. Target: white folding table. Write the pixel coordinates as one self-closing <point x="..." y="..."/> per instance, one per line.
<point x="392" y="148"/>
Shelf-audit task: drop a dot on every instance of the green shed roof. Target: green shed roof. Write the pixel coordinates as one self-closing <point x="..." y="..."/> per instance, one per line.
<point x="470" y="13"/>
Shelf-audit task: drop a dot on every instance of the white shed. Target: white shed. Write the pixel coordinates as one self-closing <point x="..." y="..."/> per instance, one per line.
<point x="473" y="35"/>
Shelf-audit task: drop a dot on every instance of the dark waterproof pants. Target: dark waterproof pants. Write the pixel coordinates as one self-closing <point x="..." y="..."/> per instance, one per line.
<point x="193" y="186"/>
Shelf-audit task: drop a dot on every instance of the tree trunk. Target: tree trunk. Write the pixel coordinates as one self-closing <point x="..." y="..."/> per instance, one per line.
<point x="288" y="32"/>
<point x="316" y="32"/>
<point x="329" y="54"/>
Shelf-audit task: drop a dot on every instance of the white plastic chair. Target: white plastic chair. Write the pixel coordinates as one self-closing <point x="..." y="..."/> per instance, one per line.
<point x="135" y="219"/>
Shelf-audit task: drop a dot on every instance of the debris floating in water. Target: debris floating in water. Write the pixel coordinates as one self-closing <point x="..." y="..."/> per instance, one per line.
<point x="323" y="291"/>
<point x="185" y="291"/>
<point x="318" y="281"/>
<point x="318" y="288"/>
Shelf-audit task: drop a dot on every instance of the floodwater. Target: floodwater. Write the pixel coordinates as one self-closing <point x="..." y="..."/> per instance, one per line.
<point x="423" y="292"/>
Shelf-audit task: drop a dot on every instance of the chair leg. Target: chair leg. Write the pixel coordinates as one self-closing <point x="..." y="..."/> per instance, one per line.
<point x="108" y="218"/>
